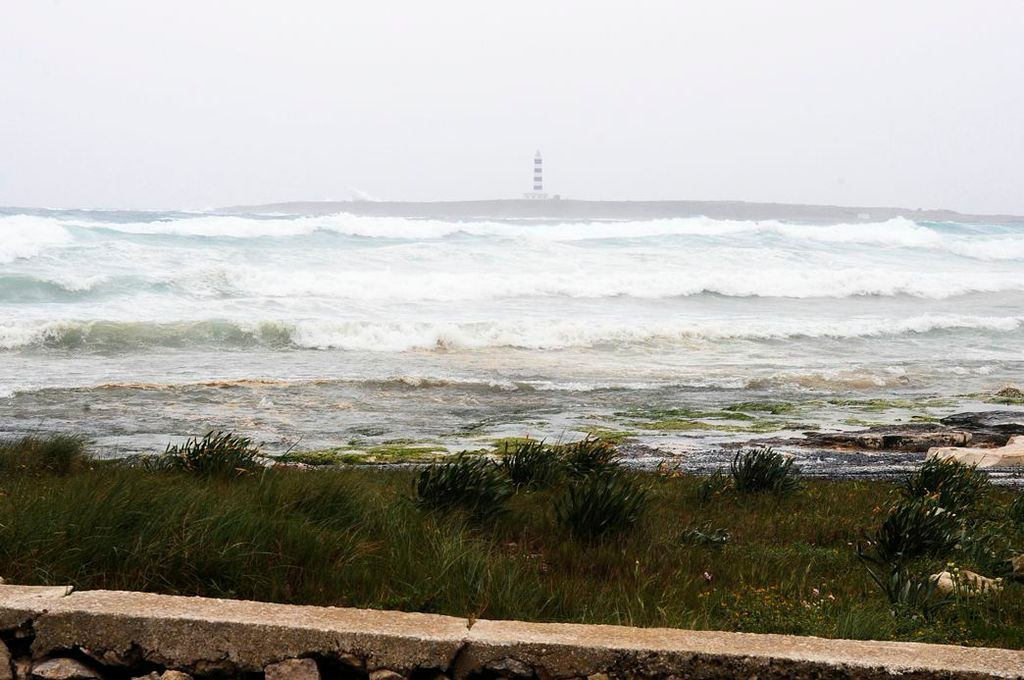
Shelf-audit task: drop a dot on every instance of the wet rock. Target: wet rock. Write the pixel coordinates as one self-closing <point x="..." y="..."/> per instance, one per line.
<point x="351" y="660"/>
<point x="1011" y="392"/>
<point x="22" y="669"/>
<point x="64" y="669"/>
<point x="385" y="674"/>
<point x="1011" y="455"/>
<point x="6" y="665"/>
<point x="175" y="675"/>
<point x="510" y="668"/>
<point x="966" y="582"/>
<point x="912" y="437"/>
<point x="1017" y="567"/>
<point x="292" y="669"/>
<point x="993" y="428"/>
<point x="166" y="675"/>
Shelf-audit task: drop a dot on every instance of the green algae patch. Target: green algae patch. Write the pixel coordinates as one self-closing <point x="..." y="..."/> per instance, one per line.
<point x="502" y="443"/>
<point x="776" y="408"/>
<point x="690" y="425"/>
<point x="397" y="451"/>
<point x="610" y="436"/>
<point x="317" y="458"/>
<point x="1008" y="396"/>
<point x="685" y="414"/>
<point x="860" y="422"/>
<point x="891" y="404"/>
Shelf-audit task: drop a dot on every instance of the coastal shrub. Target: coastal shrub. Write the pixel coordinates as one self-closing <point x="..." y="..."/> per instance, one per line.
<point x="955" y="486"/>
<point x="1016" y="509"/>
<point x="911" y="594"/>
<point x="713" y="485"/>
<point x="704" y="535"/>
<point x="217" y="454"/>
<point x="987" y="545"/>
<point x="56" y="454"/>
<point x="472" y="483"/>
<point x="588" y="455"/>
<point x="530" y="465"/>
<point x="604" y="503"/>
<point x="763" y="470"/>
<point x="913" y="529"/>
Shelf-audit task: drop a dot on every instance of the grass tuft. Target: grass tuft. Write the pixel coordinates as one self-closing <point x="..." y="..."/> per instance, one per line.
<point x="471" y="483"/>
<point x="217" y="454"/>
<point x="588" y="455"/>
<point x="57" y="454"/>
<point x="530" y="465"/>
<point x="607" y="502"/>
<point x="763" y="470"/>
<point x="953" y="485"/>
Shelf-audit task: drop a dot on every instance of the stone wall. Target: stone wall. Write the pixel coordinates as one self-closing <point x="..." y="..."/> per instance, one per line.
<point x="52" y="633"/>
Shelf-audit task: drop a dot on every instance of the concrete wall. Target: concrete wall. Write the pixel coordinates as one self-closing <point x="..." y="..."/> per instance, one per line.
<point x="56" y="634"/>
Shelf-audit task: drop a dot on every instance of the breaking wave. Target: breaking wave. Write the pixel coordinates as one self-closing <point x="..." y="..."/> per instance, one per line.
<point x="399" y="336"/>
<point x="27" y="235"/>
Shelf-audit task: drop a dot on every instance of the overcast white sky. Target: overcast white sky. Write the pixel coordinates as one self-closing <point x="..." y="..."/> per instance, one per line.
<point x="191" y="104"/>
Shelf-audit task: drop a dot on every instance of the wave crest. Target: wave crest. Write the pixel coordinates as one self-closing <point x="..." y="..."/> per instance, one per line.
<point x="398" y="336"/>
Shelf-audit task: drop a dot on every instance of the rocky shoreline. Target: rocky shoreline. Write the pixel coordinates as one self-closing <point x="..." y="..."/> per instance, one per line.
<point x="874" y="452"/>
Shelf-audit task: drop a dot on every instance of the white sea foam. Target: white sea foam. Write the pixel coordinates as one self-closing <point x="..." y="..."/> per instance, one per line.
<point x="435" y="336"/>
<point x="593" y="279"/>
<point x="898" y="232"/>
<point x="23" y="236"/>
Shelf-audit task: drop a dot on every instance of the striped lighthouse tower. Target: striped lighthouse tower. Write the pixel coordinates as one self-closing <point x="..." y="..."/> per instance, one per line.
<point x="538" y="178"/>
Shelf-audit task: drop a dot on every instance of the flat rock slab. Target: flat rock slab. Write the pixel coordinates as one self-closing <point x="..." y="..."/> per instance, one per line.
<point x="988" y="427"/>
<point x="891" y="438"/>
<point x="205" y="636"/>
<point x="226" y="636"/>
<point x="1011" y="455"/>
<point x="20" y="604"/>
<point x="567" y="650"/>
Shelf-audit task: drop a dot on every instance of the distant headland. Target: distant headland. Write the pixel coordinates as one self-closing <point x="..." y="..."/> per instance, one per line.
<point x="567" y="209"/>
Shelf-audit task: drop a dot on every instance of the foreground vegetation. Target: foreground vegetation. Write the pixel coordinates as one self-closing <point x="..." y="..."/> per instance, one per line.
<point x="539" y="532"/>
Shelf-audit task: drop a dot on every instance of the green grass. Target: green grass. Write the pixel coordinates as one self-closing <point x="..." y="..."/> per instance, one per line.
<point x="353" y="536"/>
<point x="60" y="455"/>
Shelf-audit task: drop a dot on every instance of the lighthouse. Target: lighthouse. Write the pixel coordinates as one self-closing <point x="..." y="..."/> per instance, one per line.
<point x="538" y="178"/>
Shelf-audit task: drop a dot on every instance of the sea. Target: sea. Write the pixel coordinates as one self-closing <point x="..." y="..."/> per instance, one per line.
<point x="138" y="329"/>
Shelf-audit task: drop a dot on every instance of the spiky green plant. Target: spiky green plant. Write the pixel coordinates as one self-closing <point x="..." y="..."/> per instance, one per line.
<point x="1016" y="509"/>
<point x="474" y="484"/>
<point x="602" y="503"/>
<point x="530" y="464"/>
<point x="913" y="529"/>
<point x="955" y="486"/>
<point x="909" y="594"/>
<point x="713" y="485"/>
<point x="588" y="455"/>
<point x="705" y="535"/>
<point x="763" y="470"/>
<point x="217" y="454"/>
